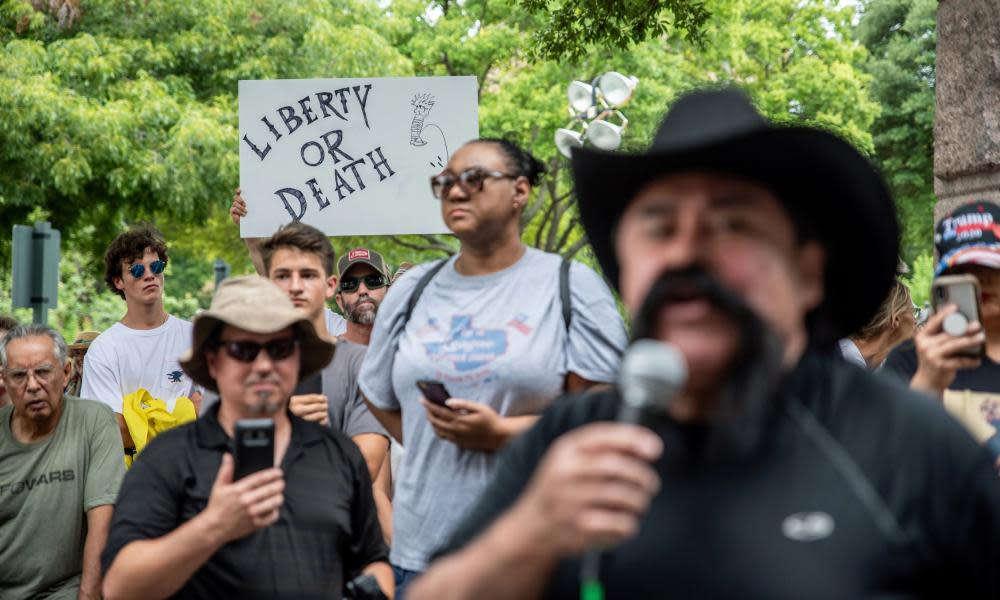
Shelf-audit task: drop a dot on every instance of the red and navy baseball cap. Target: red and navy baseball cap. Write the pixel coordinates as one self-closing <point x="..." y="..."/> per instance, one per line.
<point x="364" y="256"/>
<point x="970" y="234"/>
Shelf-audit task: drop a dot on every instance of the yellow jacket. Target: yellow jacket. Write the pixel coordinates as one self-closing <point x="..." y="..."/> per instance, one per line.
<point x="147" y="416"/>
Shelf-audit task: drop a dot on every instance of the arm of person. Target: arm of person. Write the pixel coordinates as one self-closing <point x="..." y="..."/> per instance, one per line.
<point x="392" y="420"/>
<point x="374" y="448"/>
<point x="237" y="211"/>
<point x="382" y="573"/>
<point x="382" y="493"/>
<point x="98" y="521"/>
<point x="127" y="441"/>
<point x="590" y="490"/>
<point x="158" y="567"/>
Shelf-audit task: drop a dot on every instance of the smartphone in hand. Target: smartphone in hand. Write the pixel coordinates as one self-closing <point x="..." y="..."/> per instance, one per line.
<point x="435" y="392"/>
<point x="253" y="447"/>
<point x="963" y="292"/>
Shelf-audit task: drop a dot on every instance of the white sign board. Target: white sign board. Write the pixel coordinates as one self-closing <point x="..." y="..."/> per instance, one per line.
<point x="350" y="156"/>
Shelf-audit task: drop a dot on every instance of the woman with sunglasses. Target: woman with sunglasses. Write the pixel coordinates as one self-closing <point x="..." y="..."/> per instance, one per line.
<point x="489" y="326"/>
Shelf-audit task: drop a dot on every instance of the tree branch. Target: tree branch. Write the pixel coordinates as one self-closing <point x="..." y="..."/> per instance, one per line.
<point x="575" y="247"/>
<point x="573" y="222"/>
<point x="557" y="214"/>
<point x="432" y="245"/>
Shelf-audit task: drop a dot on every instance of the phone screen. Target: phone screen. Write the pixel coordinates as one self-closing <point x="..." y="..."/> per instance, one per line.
<point x="434" y="391"/>
<point x="254" y="446"/>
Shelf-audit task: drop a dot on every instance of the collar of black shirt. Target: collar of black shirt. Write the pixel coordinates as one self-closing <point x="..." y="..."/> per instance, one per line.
<point x="209" y="433"/>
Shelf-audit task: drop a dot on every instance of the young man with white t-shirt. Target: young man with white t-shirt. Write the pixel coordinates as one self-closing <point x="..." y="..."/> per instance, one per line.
<point x="141" y="351"/>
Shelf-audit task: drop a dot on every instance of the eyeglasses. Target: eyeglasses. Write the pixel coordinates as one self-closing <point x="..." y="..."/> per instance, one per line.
<point x="156" y="267"/>
<point x="471" y="181"/>
<point x="372" y="282"/>
<point x="247" y="351"/>
<point x="19" y="377"/>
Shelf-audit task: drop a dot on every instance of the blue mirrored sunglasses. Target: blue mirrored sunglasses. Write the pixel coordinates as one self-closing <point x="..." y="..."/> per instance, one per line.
<point x="156" y="267"/>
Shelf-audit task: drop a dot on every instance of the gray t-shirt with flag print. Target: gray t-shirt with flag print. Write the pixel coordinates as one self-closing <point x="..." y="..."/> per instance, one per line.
<point x="499" y="339"/>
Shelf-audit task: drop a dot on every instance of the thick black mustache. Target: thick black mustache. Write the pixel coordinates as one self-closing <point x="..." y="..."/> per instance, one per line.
<point x="688" y="283"/>
<point x="747" y="398"/>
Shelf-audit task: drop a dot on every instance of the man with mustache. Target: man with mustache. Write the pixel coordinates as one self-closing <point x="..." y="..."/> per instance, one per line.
<point x="141" y="350"/>
<point x="778" y="471"/>
<point x="184" y="528"/>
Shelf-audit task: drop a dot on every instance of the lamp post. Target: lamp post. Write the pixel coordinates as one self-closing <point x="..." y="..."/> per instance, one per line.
<point x="592" y="106"/>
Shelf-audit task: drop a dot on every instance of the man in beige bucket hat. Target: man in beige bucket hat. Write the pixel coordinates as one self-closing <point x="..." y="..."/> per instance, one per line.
<point x="184" y="528"/>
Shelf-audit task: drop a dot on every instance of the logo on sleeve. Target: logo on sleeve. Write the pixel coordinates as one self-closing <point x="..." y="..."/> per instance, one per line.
<point x="807" y="526"/>
<point x="175" y="376"/>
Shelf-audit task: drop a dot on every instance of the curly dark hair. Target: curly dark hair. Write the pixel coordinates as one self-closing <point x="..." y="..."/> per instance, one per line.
<point x="300" y="236"/>
<point x="128" y="247"/>
<point x="521" y="162"/>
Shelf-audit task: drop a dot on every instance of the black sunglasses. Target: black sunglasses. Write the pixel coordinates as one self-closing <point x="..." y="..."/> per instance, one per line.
<point x="372" y="282"/>
<point x="247" y="351"/>
<point x="471" y="180"/>
<point x="156" y="267"/>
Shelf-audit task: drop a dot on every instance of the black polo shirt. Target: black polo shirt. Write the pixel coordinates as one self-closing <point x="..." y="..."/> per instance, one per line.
<point x="327" y="531"/>
<point x="865" y="490"/>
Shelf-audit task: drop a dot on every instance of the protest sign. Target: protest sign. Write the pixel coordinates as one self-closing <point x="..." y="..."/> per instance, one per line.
<point x="350" y="156"/>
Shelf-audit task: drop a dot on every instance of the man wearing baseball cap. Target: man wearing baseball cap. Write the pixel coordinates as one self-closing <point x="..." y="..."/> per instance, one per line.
<point x="967" y="241"/>
<point x="184" y="528"/>
<point x="776" y="469"/>
<point x="363" y="281"/>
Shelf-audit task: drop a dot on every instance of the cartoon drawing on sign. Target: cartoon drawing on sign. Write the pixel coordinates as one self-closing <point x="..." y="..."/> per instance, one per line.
<point x="422" y="104"/>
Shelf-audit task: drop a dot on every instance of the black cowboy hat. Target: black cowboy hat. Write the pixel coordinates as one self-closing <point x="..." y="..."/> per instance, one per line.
<point x="830" y="190"/>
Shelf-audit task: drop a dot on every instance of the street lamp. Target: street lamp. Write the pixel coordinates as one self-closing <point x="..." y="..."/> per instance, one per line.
<point x="591" y="105"/>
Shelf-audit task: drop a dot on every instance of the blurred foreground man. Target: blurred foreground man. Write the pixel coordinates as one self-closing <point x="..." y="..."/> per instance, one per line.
<point x="60" y="469"/>
<point x="778" y="471"/>
<point x="185" y="529"/>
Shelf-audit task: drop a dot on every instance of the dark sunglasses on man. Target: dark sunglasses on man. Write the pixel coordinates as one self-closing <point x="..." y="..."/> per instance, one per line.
<point x="373" y="281"/>
<point x="156" y="267"/>
<point x="247" y="351"/>
<point x="470" y="180"/>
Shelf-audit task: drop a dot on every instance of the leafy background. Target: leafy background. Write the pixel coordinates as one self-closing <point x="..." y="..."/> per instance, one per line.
<point x="114" y="112"/>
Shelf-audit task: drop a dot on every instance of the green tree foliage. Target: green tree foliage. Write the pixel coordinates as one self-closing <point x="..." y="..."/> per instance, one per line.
<point x="129" y="111"/>
<point x="901" y="38"/>
<point x="575" y="25"/>
<point x="125" y="110"/>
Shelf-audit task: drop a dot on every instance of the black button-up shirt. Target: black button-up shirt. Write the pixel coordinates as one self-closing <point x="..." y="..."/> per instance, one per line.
<point x="327" y="531"/>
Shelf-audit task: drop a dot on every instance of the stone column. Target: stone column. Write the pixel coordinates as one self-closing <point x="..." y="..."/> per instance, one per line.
<point x="967" y="121"/>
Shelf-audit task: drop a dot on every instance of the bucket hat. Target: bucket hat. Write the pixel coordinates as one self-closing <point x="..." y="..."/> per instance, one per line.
<point x="254" y="304"/>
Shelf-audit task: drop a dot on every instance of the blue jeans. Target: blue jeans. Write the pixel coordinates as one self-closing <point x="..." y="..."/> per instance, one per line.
<point x="403" y="578"/>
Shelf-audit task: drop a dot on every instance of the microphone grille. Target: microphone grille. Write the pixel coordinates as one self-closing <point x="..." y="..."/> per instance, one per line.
<point x="651" y="372"/>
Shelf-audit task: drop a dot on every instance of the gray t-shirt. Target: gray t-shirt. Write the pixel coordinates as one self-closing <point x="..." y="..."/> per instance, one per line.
<point x="348" y="411"/>
<point x="499" y="339"/>
<point x="46" y="489"/>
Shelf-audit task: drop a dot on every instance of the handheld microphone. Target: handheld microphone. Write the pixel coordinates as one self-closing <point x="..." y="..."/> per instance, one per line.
<point x="652" y="373"/>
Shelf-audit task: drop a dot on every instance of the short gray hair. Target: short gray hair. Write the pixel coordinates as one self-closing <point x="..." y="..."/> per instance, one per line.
<point x="35" y="330"/>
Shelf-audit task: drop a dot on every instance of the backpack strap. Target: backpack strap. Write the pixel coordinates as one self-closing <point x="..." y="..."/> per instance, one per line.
<point x="419" y="289"/>
<point x="564" y="296"/>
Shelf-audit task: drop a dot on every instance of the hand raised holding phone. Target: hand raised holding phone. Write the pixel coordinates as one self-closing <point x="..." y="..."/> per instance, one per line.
<point x="941" y="354"/>
<point x="238" y="508"/>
